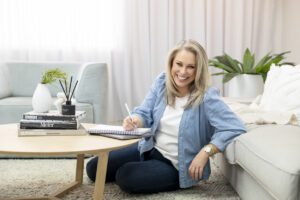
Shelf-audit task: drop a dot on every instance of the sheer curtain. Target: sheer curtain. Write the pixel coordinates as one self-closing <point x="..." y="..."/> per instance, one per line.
<point x="134" y="36"/>
<point x="75" y="30"/>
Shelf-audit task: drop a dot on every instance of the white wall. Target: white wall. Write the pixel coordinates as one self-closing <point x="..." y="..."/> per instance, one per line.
<point x="291" y="29"/>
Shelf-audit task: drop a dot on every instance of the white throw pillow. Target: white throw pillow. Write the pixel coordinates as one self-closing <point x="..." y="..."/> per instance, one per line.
<point x="4" y="82"/>
<point x="282" y="90"/>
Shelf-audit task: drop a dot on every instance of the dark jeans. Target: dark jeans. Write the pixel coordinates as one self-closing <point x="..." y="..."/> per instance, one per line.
<point x="154" y="174"/>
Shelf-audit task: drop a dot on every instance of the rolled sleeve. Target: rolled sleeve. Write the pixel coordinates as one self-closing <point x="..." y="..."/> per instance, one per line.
<point x="226" y="124"/>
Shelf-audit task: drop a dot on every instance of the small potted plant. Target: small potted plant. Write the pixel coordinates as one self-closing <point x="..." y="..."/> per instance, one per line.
<point x="42" y="99"/>
<point x="245" y="78"/>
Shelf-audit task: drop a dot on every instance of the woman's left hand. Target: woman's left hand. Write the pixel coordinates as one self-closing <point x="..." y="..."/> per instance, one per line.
<point x="197" y="165"/>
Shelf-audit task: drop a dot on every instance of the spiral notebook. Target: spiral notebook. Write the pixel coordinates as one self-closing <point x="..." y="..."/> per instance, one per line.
<point x="118" y="132"/>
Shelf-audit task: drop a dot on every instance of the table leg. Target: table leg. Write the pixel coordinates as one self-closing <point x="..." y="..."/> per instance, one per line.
<point x="79" y="168"/>
<point x="100" y="176"/>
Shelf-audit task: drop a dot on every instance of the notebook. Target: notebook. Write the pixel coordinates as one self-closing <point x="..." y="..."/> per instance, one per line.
<point x="118" y="132"/>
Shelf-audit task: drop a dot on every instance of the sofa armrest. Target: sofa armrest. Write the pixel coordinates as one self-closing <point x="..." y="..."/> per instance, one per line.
<point x="5" y="90"/>
<point x="93" y="88"/>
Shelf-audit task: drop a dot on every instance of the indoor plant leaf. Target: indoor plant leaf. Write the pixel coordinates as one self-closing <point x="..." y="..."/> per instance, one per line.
<point x="275" y="60"/>
<point x="234" y="64"/>
<point x="220" y="66"/>
<point x="287" y="63"/>
<point x="259" y="66"/>
<point x="233" y="67"/>
<point x="223" y="60"/>
<point x="53" y="74"/>
<point x="248" y="61"/>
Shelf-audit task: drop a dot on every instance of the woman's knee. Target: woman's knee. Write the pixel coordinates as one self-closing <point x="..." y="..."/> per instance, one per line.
<point x="91" y="168"/>
<point x="147" y="177"/>
<point x="116" y="159"/>
<point x="128" y="178"/>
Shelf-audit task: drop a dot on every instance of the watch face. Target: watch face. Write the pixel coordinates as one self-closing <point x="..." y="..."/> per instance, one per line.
<point x="207" y="149"/>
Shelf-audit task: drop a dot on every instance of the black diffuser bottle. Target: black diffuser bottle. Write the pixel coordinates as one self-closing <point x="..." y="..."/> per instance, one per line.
<point x="68" y="108"/>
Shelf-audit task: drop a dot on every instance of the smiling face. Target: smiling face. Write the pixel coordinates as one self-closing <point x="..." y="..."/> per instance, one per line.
<point x="183" y="70"/>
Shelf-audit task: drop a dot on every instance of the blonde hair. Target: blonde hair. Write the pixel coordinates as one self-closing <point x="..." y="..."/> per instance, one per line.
<point x="202" y="78"/>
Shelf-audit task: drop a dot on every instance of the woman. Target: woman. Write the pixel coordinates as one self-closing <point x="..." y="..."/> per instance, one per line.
<point x="189" y="123"/>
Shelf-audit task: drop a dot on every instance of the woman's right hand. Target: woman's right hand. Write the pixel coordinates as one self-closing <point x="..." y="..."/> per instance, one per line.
<point x="130" y="124"/>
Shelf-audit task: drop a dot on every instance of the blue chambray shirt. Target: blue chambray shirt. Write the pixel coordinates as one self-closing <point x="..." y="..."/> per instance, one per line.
<point x="210" y="122"/>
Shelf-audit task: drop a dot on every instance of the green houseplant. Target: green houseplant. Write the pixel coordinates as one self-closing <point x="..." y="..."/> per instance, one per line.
<point x="232" y="67"/>
<point x="42" y="99"/>
<point x="52" y="75"/>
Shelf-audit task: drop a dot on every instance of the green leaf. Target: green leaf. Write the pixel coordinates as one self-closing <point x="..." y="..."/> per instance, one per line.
<point x="261" y="64"/>
<point x="233" y="67"/>
<point x="223" y="60"/>
<point x="248" y="61"/>
<point x="275" y="60"/>
<point x="52" y="75"/>
<point x="287" y="63"/>
<point x="264" y="76"/>
<point x="234" y="64"/>
<point x="282" y="54"/>
<point x="220" y="65"/>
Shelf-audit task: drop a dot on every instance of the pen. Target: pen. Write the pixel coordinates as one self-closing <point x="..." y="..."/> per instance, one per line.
<point x="127" y="108"/>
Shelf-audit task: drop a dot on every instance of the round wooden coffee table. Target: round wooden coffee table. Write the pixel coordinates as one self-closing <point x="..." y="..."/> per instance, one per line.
<point x="10" y="143"/>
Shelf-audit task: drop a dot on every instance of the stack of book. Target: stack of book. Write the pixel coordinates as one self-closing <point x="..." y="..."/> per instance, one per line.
<point x="49" y="123"/>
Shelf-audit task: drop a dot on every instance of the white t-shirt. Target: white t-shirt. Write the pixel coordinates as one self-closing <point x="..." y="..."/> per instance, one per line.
<point x="167" y="133"/>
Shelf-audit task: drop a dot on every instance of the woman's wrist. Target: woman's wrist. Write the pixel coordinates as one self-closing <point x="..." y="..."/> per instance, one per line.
<point x="210" y="149"/>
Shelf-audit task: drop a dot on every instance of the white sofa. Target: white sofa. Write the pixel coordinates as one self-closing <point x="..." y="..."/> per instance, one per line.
<point x="18" y="81"/>
<point x="264" y="163"/>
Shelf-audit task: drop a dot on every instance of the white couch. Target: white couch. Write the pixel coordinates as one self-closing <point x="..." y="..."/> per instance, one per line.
<point x="264" y="163"/>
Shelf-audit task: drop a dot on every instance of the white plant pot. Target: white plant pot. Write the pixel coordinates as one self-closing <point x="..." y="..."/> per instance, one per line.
<point x="245" y="86"/>
<point x="42" y="99"/>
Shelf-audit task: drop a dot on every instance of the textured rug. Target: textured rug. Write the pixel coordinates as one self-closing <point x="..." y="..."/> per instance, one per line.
<point x="41" y="177"/>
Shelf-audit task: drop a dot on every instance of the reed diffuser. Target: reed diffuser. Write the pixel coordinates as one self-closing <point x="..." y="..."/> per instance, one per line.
<point x="68" y="108"/>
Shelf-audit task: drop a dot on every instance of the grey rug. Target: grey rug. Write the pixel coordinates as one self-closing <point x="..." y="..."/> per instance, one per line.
<point x="41" y="177"/>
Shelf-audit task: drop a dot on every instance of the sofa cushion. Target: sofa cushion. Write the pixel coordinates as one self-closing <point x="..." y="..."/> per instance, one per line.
<point x="270" y="154"/>
<point x="282" y="90"/>
<point x="12" y="108"/>
<point x="230" y="149"/>
<point x="29" y="75"/>
<point x="4" y="82"/>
